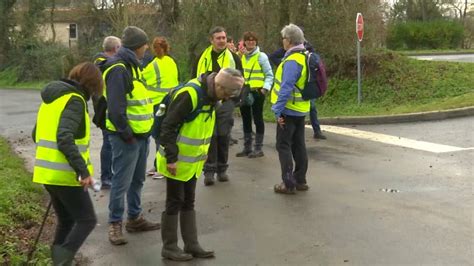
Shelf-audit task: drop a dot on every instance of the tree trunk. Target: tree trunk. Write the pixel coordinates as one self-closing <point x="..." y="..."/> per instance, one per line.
<point x="53" y="29"/>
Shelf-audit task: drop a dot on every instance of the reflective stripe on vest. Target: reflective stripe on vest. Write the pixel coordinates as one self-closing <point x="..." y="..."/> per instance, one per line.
<point x="161" y="76"/>
<point x="225" y="59"/>
<point x="139" y="105"/>
<point x="51" y="166"/>
<point x="295" y="102"/>
<point x="194" y="138"/>
<point x="253" y="72"/>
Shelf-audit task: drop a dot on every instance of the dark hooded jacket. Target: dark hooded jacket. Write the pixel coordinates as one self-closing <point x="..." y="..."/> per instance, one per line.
<point x="118" y="84"/>
<point x="72" y="124"/>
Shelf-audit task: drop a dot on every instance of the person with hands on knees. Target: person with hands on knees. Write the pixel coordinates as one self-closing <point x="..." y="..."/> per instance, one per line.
<point x="183" y="150"/>
<point x="259" y="78"/>
<point x="290" y="110"/>
<point x="63" y="165"/>
<point x="129" y="121"/>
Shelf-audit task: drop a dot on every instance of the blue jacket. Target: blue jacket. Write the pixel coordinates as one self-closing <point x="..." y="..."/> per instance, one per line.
<point x="290" y="75"/>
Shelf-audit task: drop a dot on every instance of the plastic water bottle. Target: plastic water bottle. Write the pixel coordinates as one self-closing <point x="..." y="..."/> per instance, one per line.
<point x="96" y="185"/>
<point x="161" y="110"/>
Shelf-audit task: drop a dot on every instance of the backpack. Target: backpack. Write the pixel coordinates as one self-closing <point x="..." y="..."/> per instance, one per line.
<point x="166" y="101"/>
<point x="317" y="82"/>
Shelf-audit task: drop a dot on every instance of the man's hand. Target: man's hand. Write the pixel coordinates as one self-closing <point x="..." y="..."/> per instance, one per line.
<point x="171" y="167"/>
<point x="263" y="91"/>
<point x="281" y="122"/>
<point x="86" y="182"/>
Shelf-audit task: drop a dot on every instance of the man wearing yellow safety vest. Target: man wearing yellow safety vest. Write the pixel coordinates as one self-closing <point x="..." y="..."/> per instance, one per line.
<point x="183" y="150"/>
<point x="290" y="110"/>
<point x="213" y="58"/>
<point x="63" y="165"/>
<point x="111" y="45"/>
<point x="129" y="121"/>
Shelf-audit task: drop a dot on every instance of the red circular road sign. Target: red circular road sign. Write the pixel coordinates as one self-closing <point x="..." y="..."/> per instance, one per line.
<point x="360" y="26"/>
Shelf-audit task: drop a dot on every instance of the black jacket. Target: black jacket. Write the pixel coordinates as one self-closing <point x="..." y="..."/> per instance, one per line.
<point x="177" y="112"/>
<point x="72" y="124"/>
<point x="119" y="84"/>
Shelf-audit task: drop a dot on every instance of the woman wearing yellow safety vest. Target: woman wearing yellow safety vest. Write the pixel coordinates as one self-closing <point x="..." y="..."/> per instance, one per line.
<point x="259" y="78"/>
<point x="183" y="152"/>
<point x="161" y="75"/>
<point x="290" y="110"/>
<point x="62" y="136"/>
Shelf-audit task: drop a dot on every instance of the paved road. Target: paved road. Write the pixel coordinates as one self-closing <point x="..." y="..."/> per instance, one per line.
<point x="347" y="217"/>
<point x="454" y="58"/>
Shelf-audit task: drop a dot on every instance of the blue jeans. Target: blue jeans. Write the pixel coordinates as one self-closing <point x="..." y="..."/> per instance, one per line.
<point x="313" y="116"/>
<point x="129" y="168"/>
<point x="105" y="158"/>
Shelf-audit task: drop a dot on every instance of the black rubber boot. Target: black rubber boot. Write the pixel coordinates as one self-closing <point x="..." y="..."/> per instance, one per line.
<point x="61" y="256"/>
<point x="189" y="234"/>
<point x="169" y="235"/>
<point x="258" y="147"/>
<point x="247" y="146"/>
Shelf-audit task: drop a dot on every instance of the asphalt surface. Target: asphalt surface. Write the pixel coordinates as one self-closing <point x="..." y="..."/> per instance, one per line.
<point x="453" y="58"/>
<point x="370" y="203"/>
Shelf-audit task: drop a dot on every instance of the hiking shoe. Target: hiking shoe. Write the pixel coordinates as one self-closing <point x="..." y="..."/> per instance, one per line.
<point x="282" y="189"/>
<point x="208" y="179"/>
<point x="319" y="135"/>
<point x="256" y="154"/>
<point x="233" y="141"/>
<point x="115" y="234"/>
<point x="222" y="177"/>
<point x="301" y="187"/>
<point x="106" y="184"/>
<point x="140" y="224"/>
<point x="151" y="172"/>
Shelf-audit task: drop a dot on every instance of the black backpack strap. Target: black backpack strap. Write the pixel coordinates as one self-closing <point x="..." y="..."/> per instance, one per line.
<point x="198" y="110"/>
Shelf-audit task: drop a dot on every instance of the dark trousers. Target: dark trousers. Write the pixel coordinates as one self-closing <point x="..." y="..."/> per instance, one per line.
<point x="254" y="111"/>
<point x="75" y="215"/>
<point x="290" y="144"/>
<point x="313" y="116"/>
<point x="105" y="158"/>
<point x="218" y="155"/>
<point x="180" y="195"/>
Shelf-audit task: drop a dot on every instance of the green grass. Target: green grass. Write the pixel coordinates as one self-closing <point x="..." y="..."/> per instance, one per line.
<point x="21" y="209"/>
<point x="395" y="84"/>
<point x="9" y="78"/>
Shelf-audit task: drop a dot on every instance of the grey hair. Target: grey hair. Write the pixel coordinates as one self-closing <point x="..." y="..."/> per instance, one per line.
<point x="110" y="43"/>
<point x="216" y="30"/>
<point x="293" y="34"/>
<point x="234" y="74"/>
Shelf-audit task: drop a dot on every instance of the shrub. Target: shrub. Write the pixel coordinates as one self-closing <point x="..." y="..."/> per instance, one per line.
<point x="440" y="34"/>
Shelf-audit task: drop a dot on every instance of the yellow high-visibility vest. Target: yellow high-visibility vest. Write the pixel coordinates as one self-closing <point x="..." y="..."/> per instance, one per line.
<point x="296" y="101"/>
<point x="253" y="73"/>
<point x="161" y="75"/>
<point x="139" y="105"/>
<point x="51" y="166"/>
<point x="193" y="141"/>
<point x="225" y="59"/>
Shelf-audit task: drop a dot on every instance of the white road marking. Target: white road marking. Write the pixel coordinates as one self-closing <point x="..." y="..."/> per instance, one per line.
<point x="393" y="140"/>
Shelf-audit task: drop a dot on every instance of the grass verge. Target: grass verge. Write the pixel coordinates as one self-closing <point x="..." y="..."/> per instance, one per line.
<point x="395" y="84"/>
<point x="21" y="211"/>
<point x="9" y="77"/>
<point x="437" y="52"/>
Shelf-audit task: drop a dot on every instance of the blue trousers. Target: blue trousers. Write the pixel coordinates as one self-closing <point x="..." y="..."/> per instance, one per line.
<point x="105" y="158"/>
<point x="129" y="168"/>
<point x="313" y="116"/>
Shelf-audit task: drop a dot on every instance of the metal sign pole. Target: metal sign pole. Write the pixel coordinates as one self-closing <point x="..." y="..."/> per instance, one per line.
<point x="359" y="86"/>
